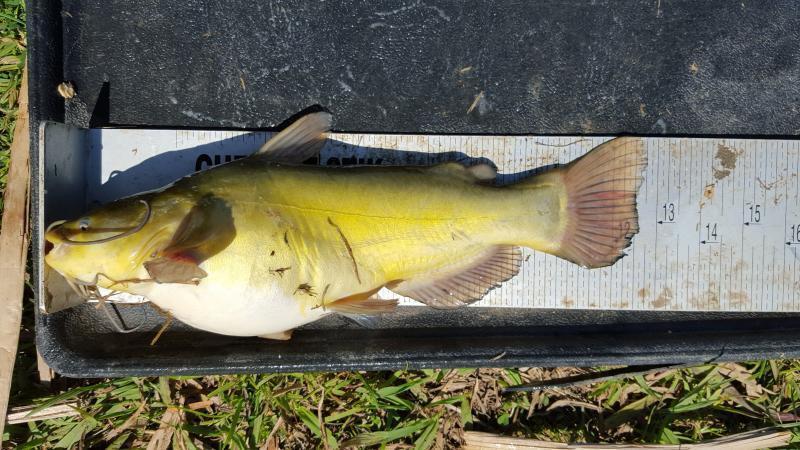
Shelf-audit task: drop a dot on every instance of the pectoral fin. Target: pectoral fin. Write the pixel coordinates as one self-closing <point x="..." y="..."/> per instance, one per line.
<point x="205" y="231"/>
<point x="464" y="282"/>
<point x="300" y="141"/>
<point x="169" y="270"/>
<point x="282" y="336"/>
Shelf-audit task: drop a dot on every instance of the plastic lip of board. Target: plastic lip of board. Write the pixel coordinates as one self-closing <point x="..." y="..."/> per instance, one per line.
<point x="719" y="218"/>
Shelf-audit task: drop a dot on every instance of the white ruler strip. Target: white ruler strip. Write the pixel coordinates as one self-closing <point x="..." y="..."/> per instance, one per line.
<point x="719" y="218"/>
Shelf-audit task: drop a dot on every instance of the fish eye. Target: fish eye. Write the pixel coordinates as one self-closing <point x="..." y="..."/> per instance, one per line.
<point x="83" y="224"/>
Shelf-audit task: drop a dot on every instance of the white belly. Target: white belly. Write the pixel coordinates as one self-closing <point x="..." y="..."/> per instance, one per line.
<point x="220" y="309"/>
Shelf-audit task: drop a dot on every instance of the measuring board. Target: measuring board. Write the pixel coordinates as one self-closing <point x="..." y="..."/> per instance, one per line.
<point x="719" y="218"/>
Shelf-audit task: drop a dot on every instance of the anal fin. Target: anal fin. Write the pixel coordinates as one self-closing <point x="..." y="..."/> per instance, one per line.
<point x="464" y="282"/>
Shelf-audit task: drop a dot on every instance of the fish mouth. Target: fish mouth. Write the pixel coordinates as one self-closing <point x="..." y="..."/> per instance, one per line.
<point x="53" y="236"/>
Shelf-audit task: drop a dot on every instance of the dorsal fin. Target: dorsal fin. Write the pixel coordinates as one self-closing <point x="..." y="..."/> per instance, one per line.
<point x="465" y="282"/>
<point x="300" y="141"/>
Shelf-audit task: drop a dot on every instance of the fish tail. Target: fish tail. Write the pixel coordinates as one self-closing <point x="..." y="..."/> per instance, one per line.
<point x="600" y="216"/>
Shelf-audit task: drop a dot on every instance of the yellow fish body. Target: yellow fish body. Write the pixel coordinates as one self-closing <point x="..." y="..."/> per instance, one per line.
<point x="262" y="245"/>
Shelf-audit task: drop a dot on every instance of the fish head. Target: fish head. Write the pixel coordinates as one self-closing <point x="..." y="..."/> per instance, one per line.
<point x="108" y="244"/>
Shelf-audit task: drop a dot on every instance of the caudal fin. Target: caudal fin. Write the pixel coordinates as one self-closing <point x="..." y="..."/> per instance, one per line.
<point x="601" y="202"/>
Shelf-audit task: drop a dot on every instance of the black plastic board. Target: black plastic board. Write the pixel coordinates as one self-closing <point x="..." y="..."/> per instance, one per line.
<point x="546" y="67"/>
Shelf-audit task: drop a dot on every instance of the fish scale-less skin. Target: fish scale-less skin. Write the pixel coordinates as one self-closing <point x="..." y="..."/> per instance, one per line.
<point x="399" y="222"/>
<point x="294" y="225"/>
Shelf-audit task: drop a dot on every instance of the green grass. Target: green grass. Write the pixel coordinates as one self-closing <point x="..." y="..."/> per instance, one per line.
<point x="419" y="408"/>
<point x="406" y="409"/>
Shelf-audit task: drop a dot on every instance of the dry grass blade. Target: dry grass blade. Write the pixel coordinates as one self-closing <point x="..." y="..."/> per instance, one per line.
<point x="475" y="102"/>
<point x="322" y="430"/>
<point x="272" y="439"/>
<point x="200" y="405"/>
<point x="26" y="414"/>
<point x="167" y="323"/>
<point x="574" y="404"/>
<point x="162" y="438"/>
<point x="750" y="440"/>
<point x="130" y="422"/>
<point x="743" y="376"/>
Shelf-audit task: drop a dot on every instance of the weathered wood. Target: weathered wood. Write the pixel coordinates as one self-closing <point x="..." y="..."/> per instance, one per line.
<point x="749" y="440"/>
<point x="46" y="374"/>
<point x="14" y="247"/>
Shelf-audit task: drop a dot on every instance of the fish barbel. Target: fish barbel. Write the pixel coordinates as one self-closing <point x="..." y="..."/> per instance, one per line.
<point x="262" y="245"/>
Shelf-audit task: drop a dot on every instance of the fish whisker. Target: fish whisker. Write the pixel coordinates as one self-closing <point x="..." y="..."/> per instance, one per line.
<point x="118" y="327"/>
<point x="89" y="291"/>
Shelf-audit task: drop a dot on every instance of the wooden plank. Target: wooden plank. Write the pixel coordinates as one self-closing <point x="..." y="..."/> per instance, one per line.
<point x="14" y="247"/>
<point x="749" y="440"/>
